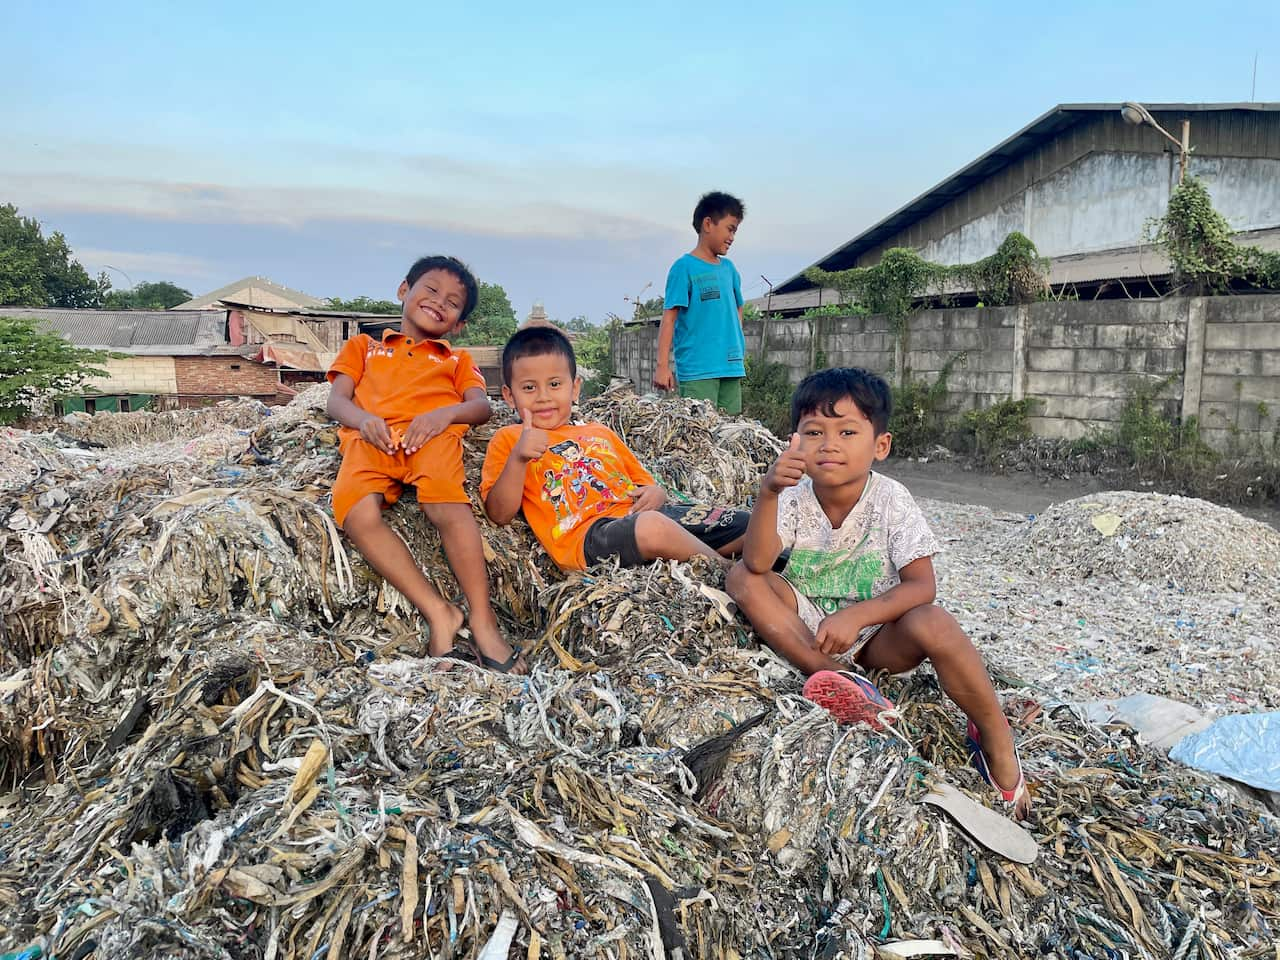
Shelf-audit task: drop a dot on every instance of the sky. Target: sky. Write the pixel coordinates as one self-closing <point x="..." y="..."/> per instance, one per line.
<point x="558" y="149"/>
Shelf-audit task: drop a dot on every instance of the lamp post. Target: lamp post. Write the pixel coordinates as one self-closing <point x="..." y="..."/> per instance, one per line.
<point x="108" y="266"/>
<point x="1137" y="114"/>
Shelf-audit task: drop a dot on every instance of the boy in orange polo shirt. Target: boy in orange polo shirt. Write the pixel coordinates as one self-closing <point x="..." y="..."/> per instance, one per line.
<point x="404" y="403"/>
<point x="584" y="494"/>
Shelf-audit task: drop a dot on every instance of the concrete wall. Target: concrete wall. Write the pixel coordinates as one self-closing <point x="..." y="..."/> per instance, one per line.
<point x="1095" y="185"/>
<point x="1082" y="360"/>
<point x="136" y="375"/>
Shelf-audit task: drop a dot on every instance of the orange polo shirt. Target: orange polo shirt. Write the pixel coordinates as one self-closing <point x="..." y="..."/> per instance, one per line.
<point x="587" y="473"/>
<point x="398" y="377"/>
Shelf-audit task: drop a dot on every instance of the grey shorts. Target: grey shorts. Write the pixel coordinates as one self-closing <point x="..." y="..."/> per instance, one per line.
<point x="616" y="536"/>
<point x="813" y="615"/>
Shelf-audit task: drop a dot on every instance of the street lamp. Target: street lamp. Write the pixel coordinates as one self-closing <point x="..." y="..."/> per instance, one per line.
<point x="108" y="266"/>
<point x="1137" y="114"/>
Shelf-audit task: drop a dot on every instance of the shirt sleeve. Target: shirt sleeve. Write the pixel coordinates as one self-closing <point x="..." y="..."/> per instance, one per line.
<point x="788" y="517"/>
<point x="909" y="535"/>
<point x="737" y="287"/>
<point x="496" y="456"/>
<point x="350" y="359"/>
<point x="677" y="296"/>
<point x="634" y="468"/>
<point x="466" y="374"/>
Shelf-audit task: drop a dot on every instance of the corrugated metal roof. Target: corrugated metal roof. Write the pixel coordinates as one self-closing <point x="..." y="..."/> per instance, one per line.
<point x="132" y="331"/>
<point x="255" y="292"/>
<point x="1040" y="130"/>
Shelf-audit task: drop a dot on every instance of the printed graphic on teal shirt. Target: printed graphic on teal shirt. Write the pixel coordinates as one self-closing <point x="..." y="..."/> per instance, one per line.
<point x="833" y="580"/>
<point x="707" y="285"/>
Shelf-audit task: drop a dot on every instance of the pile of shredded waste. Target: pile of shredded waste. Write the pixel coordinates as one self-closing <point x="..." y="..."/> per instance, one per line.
<point x="222" y="738"/>
<point x="1186" y="543"/>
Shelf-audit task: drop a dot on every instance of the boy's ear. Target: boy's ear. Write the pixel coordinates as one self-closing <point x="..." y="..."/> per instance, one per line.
<point x="884" y="443"/>
<point x="508" y="396"/>
<point x="577" y="388"/>
<point x="402" y="290"/>
<point x="707" y="224"/>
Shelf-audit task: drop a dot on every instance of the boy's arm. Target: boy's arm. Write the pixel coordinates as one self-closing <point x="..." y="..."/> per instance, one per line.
<point x="473" y="410"/>
<point x="918" y="587"/>
<point x="503" y="500"/>
<point x="663" y="377"/>
<point x="762" y="544"/>
<point x="342" y="407"/>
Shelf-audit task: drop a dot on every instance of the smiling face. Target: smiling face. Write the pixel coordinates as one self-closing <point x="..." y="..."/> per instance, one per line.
<point x="718" y="235"/>
<point x="432" y="306"/>
<point x="840" y="449"/>
<point x="545" y="385"/>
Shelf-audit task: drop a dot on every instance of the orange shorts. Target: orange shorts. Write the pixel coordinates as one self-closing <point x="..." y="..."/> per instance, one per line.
<point x="436" y="470"/>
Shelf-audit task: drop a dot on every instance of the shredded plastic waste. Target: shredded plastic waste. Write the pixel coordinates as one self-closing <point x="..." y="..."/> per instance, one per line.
<point x="221" y="738"/>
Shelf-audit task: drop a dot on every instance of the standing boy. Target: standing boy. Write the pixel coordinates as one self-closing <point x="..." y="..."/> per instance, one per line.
<point x="584" y="494"/>
<point x="703" y="312"/>
<point x="404" y="403"/>
<point x="859" y="583"/>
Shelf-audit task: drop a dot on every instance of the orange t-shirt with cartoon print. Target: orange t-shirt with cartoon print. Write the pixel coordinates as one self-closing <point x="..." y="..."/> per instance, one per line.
<point x="398" y="377"/>
<point x="587" y="473"/>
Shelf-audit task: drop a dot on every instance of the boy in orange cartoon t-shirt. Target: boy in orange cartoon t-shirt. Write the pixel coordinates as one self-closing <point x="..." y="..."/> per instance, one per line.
<point x="404" y="403"/>
<point x="583" y="492"/>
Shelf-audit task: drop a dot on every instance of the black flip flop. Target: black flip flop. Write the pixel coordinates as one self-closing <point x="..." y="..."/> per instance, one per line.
<point x="501" y="666"/>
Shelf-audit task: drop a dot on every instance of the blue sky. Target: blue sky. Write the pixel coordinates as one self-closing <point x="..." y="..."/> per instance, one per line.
<point x="558" y="149"/>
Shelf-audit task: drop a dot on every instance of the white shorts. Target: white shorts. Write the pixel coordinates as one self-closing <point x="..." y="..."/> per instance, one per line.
<point x="813" y="615"/>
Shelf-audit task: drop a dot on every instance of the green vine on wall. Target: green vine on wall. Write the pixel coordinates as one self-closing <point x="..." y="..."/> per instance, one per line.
<point x="1200" y="245"/>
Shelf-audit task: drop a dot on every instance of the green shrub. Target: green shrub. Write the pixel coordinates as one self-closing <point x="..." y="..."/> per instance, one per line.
<point x="766" y="395"/>
<point x="999" y="427"/>
<point x="917" y="423"/>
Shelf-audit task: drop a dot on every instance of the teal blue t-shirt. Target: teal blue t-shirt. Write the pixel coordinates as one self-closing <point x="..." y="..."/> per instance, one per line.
<point x="708" y="338"/>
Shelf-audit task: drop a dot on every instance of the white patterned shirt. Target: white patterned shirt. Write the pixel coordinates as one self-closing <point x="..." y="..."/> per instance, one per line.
<point x="834" y="568"/>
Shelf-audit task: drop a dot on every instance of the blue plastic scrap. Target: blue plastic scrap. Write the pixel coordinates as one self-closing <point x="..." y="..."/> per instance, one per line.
<point x="1241" y="746"/>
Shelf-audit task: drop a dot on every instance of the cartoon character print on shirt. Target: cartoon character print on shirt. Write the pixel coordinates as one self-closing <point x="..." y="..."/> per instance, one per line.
<point x="580" y="472"/>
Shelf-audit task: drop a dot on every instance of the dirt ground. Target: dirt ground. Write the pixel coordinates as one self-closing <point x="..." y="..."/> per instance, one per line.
<point x="1015" y="492"/>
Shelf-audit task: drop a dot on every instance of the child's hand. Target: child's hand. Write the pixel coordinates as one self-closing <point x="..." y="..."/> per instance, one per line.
<point x="663" y="378"/>
<point x="647" y="498"/>
<point x="533" y="442"/>
<point x="839" y="631"/>
<point x="375" y="430"/>
<point x="425" y="426"/>
<point x="787" y="469"/>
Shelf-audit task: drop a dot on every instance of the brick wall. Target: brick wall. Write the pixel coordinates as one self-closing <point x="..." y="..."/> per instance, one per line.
<point x="1220" y="357"/>
<point x="224" y="377"/>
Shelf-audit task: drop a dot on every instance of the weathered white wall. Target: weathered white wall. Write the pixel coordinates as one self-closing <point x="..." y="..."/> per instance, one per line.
<point x="1104" y="200"/>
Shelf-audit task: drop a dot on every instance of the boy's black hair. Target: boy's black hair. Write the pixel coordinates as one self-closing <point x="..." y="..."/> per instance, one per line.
<point x="820" y="392"/>
<point x="536" y="341"/>
<point x="717" y="206"/>
<point x="458" y="269"/>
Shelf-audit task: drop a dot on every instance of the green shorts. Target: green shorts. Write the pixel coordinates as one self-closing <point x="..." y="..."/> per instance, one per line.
<point x="724" y="392"/>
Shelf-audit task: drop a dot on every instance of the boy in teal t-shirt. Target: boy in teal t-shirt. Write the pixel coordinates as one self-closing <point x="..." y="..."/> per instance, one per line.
<point x="703" y="312"/>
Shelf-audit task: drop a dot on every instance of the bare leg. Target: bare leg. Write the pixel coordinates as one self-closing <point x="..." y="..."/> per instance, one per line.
<point x="930" y="633"/>
<point x="389" y="556"/>
<point x="658" y="537"/>
<point x="770" y="605"/>
<point x="461" y="538"/>
<point x="732" y="548"/>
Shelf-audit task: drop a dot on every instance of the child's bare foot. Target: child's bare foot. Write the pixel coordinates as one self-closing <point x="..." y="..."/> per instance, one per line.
<point x="495" y="652"/>
<point x="444" y="629"/>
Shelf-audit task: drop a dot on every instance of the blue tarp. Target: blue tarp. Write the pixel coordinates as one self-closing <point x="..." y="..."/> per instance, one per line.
<point x="1242" y="746"/>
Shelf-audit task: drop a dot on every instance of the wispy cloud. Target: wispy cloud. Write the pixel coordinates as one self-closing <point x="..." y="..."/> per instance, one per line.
<point x="142" y="265"/>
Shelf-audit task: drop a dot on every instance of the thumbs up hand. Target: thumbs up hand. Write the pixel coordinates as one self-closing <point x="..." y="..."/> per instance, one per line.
<point x="787" y="469"/>
<point x="533" y="442"/>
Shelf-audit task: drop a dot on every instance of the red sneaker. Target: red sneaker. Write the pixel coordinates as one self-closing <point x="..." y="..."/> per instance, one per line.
<point x="849" y="698"/>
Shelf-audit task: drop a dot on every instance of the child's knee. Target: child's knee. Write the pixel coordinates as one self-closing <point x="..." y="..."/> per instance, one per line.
<point x="652" y="531"/>
<point x="933" y="629"/>
<point x="444" y="515"/>
<point x="364" y="515"/>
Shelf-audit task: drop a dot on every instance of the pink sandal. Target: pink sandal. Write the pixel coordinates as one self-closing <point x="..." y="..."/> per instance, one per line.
<point x="1015" y="797"/>
<point x="849" y="698"/>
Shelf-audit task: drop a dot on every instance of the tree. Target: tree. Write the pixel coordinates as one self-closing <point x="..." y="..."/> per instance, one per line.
<point x="364" y="305"/>
<point x="579" y="324"/>
<point x="37" y="367"/>
<point x="493" y="320"/>
<point x="39" y="272"/>
<point x="147" y="296"/>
